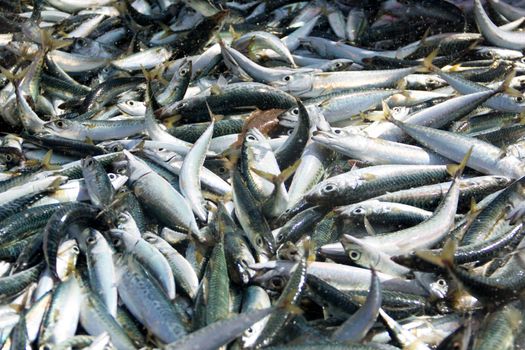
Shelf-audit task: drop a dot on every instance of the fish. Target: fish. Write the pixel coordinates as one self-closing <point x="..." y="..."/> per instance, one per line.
<point x="262" y="174"/>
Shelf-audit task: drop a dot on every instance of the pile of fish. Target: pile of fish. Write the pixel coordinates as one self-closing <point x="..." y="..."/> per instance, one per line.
<point x="194" y="174"/>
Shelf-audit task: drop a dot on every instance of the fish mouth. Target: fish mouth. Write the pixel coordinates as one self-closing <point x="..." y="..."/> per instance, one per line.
<point x="323" y="136"/>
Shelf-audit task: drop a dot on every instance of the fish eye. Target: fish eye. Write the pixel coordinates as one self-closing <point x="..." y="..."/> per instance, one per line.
<point x="337" y="131"/>
<point x="329" y="188"/>
<point x="338" y="64"/>
<point x="151" y="239"/>
<point x="249" y="330"/>
<point x="519" y="98"/>
<point x="222" y="170"/>
<point x="91" y="240"/>
<point x="116" y="148"/>
<point x="358" y="211"/>
<point x="259" y="241"/>
<point x="501" y="180"/>
<point x="441" y="282"/>
<point x="354" y="255"/>
<point x="277" y="282"/>
<point x="161" y="149"/>
<point x="75" y="249"/>
<point x="89" y="162"/>
<point x="8" y="157"/>
<point x="121" y="171"/>
<point x="183" y="72"/>
<point x="82" y="42"/>
<point x="131" y="103"/>
<point x="117" y="242"/>
<point x="60" y="123"/>
<point x="287" y="78"/>
<point x="295" y="111"/>
<point x="181" y="105"/>
<point x="280" y="237"/>
<point x="251" y="138"/>
<point x="396" y="109"/>
<point x="289" y="132"/>
<point x="112" y="176"/>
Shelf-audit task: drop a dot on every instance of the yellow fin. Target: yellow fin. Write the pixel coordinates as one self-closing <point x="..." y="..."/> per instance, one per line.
<point x="401" y="84"/>
<point x="233" y="33"/>
<point x="446" y="259"/>
<point x="387" y="112"/>
<point x="55" y="184"/>
<point x="456" y="170"/>
<point x="454" y="68"/>
<point x="427" y="62"/>
<point x="215" y="90"/>
<point x="49" y="43"/>
<point x="473" y="206"/>
<point x="277" y="180"/>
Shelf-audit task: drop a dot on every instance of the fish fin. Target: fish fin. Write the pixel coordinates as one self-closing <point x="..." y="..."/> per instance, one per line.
<point x="278" y="180"/>
<point x="522" y="118"/>
<point x="445" y="259"/>
<point x="423" y="41"/>
<point x="46" y="161"/>
<point x="368" y="227"/>
<point x="131" y="45"/>
<point x="456" y="170"/>
<point x="474" y="44"/>
<point x="401" y="85"/>
<point x="148" y="75"/>
<point x="139" y="146"/>
<point x="49" y="43"/>
<point x="233" y="33"/>
<point x="454" y="68"/>
<point x="14" y="78"/>
<point x="309" y="250"/>
<point x="31" y="163"/>
<point x="55" y="184"/>
<point x="505" y="86"/>
<point x="473" y="206"/>
<point x="10" y="76"/>
<point x="89" y="141"/>
<point x="171" y="121"/>
<point x="215" y="90"/>
<point x="427" y="61"/>
<point x="387" y="112"/>
<point x="165" y="28"/>
<point x="213" y="117"/>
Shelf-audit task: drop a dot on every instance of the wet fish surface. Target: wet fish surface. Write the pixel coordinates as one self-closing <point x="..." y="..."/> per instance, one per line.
<point x="209" y="174"/>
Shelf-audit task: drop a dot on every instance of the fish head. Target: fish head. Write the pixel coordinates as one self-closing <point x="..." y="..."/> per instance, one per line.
<point x="337" y="65"/>
<point x="126" y="223"/>
<point x="272" y="275"/>
<point x="359" y="252"/>
<point x="325" y="192"/>
<point x="136" y="167"/>
<point x="296" y="84"/>
<point x="63" y="128"/>
<point x="112" y="146"/>
<point x="132" y="107"/>
<point x="123" y="240"/>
